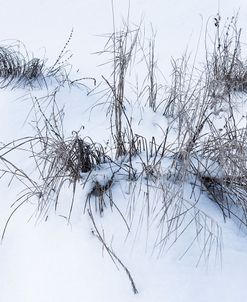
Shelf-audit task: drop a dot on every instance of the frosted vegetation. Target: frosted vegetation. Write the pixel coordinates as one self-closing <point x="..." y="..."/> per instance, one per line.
<point x="167" y="158"/>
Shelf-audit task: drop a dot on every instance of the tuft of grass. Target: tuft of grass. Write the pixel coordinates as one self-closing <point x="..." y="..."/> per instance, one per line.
<point x="228" y="70"/>
<point x="18" y="69"/>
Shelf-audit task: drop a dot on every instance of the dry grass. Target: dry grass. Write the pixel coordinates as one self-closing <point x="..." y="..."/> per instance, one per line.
<point x="228" y="70"/>
<point x="19" y="68"/>
<point x="191" y="105"/>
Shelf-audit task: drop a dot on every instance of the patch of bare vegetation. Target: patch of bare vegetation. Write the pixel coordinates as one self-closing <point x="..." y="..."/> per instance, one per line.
<point x="203" y="158"/>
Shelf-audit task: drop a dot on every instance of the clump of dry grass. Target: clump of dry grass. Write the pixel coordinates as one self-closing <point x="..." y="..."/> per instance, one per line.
<point x="18" y="69"/>
<point x="58" y="161"/>
<point x="228" y="70"/>
<point x="227" y="149"/>
<point x="121" y="45"/>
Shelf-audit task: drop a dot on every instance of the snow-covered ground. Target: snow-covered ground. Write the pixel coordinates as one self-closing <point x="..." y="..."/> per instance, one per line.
<point x="54" y="261"/>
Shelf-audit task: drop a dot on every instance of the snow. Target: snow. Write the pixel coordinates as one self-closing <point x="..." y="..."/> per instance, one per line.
<point x="57" y="261"/>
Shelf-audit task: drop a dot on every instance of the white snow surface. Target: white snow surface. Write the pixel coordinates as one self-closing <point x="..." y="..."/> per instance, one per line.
<point x="53" y="261"/>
